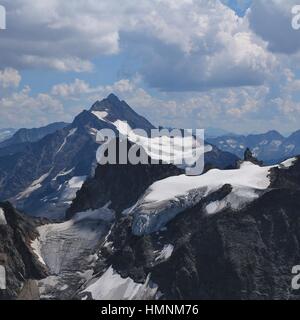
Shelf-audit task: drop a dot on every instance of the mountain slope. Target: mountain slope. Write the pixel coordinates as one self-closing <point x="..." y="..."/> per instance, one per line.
<point x="119" y="184"/>
<point x="44" y="178"/>
<point x="244" y="252"/>
<point x="235" y="235"/>
<point x="32" y="135"/>
<point x="6" y="133"/>
<point x="16" y="255"/>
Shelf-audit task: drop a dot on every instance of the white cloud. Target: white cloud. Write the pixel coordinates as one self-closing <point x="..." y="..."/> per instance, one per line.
<point x="79" y="88"/>
<point x="236" y="109"/>
<point x="272" y="21"/>
<point x="200" y="46"/>
<point x="72" y="90"/>
<point x="9" y="78"/>
<point x="21" y="109"/>
<point x="62" y="64"/>
<point x="211" y="67"/>
<point x="181" y="45"/>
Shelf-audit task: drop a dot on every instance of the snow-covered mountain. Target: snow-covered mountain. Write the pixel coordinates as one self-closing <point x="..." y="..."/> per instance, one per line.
<point x="227" y="234"/>
<point x="43" y="178"/>
<point x="271" y="147"/>
<point x="113" y="110"/>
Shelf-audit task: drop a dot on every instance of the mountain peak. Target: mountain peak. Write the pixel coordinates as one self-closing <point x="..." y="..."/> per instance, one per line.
<point x="113" y="109"/>
<point x="248" y="156"/>
<point x="113" y="98"/>
<point x="274" y="134"/>
<point x="112" y="105"/>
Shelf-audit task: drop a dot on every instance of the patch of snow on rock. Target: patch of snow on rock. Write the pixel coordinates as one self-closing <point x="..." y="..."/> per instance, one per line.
<point x="101" y="115"/>
<point x="288" y="163"/>
<point x="111" y="286"/>
<point x="2" y="217"/>
<point x="2" y="278"/>
<point x="37" y="184"/>
<point x="165" y="253"/>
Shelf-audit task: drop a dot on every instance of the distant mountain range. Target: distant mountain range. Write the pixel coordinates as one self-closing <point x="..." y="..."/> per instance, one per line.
<point x="271" y="147"/>
<point x="18" y="141"/>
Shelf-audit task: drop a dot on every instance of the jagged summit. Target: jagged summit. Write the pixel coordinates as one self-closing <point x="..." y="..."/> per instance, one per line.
<point x="113" y="109"/>
<point x="248" y="156"/>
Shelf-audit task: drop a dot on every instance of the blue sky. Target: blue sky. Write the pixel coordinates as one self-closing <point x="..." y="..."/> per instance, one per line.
<point x="192" y="63"/>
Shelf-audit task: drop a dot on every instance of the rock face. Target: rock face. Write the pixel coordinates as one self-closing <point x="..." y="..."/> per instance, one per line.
<point x="234" y="254"/>
<point x="242" y="253"/>
<point x="16" y="255"/>
<point x="248" y="156"/>
<point x="120" y="185"/>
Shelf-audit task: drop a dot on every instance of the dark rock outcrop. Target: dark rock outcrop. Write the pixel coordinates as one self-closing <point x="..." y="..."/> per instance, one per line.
<point x="245" y="254"/>
<point x="119" y="184"/>
<point x="16" y="254"/>
<point x="248" y="156"/>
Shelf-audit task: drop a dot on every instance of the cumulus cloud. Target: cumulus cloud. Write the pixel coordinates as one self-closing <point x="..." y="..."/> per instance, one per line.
<point x="210" y="66"/>
<point x="272" y="21"/>
<point x="235" y="109"/>
<point x="9" y="78"/>
<point x="79" y="88"/>
<point x="19" y="108"/>
<point x="72" y="90"/>
<point x="198" y="46"/>
<point x="181" y="45"/>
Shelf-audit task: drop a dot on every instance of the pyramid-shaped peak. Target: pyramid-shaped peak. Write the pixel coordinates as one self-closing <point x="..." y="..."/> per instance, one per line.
<point x="113" y="98"/>
<point x="111" y="103"/>
<point x="113" y="109"/>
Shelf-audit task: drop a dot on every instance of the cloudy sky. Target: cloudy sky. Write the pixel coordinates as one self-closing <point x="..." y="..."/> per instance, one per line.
<point x="229" y="64"/>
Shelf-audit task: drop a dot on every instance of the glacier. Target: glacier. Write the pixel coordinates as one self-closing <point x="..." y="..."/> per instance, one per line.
<point x="165" y="199"/>
<point x="67" y="250"/>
